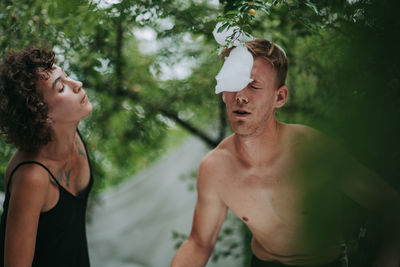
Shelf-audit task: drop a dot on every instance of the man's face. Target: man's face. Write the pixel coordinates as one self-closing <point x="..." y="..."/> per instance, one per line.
<point x="250" y="109"/>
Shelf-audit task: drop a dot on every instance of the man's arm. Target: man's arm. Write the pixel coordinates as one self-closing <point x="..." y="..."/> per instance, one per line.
<point x="374" y="193"/>
<point x="209" y="215"/>
<point x="29" y="188"/>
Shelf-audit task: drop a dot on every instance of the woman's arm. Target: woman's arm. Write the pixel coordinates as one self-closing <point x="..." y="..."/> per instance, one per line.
<point x="29" y="188"/>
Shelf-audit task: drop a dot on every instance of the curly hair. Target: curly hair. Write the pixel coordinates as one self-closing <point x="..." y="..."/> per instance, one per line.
<point x="270" y="52"/>
<point x="23" y="111"/>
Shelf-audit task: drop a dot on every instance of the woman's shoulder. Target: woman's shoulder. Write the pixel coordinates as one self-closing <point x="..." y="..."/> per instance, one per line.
<point x="25" y="170"/>
<point x="27" y="184"/>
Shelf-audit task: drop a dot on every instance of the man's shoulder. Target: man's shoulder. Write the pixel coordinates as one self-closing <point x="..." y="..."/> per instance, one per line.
<point x="303" y="135"/>
<point x="215" y="162"/>
<point x="301" y="130"/>
<point x="305" y="139"/>
<point x="220" y="154"/>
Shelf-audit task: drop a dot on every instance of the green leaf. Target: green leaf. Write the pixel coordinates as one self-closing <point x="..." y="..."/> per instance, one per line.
<point x="312" y="6"/>
<point x="231" y="12"/>
<point x="223" y="27"/>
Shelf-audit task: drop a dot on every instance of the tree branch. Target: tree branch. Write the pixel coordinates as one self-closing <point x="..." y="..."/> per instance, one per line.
<point x="203" y="136"/>
<point x="118" y="56"/>
<point x="174" y="116"/>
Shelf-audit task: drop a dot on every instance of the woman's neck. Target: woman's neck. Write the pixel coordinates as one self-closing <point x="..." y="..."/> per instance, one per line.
<point x="62" y="144"/>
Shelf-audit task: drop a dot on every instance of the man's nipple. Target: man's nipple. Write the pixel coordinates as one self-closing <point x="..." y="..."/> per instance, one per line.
<point x="245" y="219"/>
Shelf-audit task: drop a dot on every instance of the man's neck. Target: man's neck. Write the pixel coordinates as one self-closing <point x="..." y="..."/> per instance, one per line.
<point x="261" y="147"/>
<point x="62" y="144"/>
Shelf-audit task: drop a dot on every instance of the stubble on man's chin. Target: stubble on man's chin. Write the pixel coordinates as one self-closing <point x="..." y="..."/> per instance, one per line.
<point x="243" y="130"/>
<point x="247" y="128"/>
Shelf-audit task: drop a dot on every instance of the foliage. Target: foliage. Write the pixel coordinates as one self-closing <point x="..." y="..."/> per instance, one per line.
<point x="339" y="63"/>
<point x="228" y="244"/>
<point x="343" y="74"/>
<point x="95" y="53"/>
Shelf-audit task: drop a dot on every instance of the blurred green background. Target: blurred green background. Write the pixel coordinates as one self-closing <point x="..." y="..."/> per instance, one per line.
<point x="149" y="67"/>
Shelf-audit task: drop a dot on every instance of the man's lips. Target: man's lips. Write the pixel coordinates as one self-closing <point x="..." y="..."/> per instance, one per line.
<point x="241" y="112"/>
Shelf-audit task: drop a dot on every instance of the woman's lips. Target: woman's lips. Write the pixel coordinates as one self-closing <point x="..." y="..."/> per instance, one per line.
<point x="84" y="98"/>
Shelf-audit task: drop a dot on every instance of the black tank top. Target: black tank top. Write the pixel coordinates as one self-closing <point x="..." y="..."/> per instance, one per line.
<point x="61" y="235"/>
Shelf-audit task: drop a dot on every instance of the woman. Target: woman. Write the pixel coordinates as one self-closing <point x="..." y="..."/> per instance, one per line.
<point x="48" y="179"/>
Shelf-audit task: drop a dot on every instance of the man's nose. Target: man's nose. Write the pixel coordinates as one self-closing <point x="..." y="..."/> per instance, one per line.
<point x="241" y="97"/>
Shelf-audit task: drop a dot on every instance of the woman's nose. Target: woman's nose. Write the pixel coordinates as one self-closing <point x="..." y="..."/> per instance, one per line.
<point x="76" y="85"/>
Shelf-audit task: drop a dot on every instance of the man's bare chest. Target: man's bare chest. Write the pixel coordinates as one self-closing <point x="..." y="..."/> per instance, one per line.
<point x="254" y="195"/>
<point x="278" y="196"/>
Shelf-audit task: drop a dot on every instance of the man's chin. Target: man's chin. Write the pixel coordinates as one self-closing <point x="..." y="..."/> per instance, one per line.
<point x="243" y="131"/>
<point x="245" y="128"/>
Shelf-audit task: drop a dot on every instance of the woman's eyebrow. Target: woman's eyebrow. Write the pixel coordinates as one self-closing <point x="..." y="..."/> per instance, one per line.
<point x="55" y="82"/>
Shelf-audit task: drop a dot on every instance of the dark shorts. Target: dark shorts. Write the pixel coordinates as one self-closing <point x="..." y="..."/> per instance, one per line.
<point x="256" y="262"/>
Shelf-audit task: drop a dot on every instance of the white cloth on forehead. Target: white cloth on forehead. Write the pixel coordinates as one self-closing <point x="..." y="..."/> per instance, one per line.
<point x="235" y="73"/>
<point x="237" y="37"/>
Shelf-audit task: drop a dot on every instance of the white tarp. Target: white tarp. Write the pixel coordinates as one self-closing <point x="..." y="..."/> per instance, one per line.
<point x="133" y="224"/>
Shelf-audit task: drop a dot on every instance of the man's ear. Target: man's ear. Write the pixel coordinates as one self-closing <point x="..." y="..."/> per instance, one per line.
<point x="223" y="97"/>
<point x="281" y="96"/>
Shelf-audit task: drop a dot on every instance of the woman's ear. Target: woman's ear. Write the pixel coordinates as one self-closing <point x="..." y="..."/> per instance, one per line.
<point x="281" y="96"/>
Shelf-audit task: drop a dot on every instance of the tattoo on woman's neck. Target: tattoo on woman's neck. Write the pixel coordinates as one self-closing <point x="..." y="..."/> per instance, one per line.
<point x="64" y="175"/>
<point x="80" y="147"/>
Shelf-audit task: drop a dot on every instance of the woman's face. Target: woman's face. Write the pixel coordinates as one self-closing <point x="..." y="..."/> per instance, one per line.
<point x="67" y="101"/>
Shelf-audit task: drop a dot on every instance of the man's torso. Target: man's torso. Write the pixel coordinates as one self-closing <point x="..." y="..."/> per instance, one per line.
<point x="291" y="207"/>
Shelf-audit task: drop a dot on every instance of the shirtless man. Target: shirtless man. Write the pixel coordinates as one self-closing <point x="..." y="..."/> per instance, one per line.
<point x="284" y="181"/>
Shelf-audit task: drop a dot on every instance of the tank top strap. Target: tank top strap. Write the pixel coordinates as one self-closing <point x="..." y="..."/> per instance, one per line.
<point x="87" y="155"/>
<point x="30" y="162"/>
